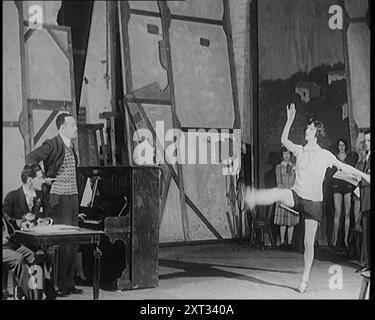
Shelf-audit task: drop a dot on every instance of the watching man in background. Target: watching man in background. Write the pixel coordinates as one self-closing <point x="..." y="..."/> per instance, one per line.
<point x="22" y="207"/>
<point x="60" y="162"/>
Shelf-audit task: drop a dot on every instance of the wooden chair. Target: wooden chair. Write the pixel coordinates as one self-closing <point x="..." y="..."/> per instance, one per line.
<point x="261" y="225"/>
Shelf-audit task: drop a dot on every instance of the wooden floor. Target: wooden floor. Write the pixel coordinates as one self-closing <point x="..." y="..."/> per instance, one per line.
<point x="234" y="271"/>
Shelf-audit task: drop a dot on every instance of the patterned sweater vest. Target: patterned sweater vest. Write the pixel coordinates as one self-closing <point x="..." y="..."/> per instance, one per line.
<point x="66" y="183"/>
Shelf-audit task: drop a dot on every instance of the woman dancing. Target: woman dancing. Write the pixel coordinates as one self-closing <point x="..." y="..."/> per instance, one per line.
<point x="306" y="195"/>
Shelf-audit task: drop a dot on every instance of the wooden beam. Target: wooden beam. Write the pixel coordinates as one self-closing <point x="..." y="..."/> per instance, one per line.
<point x="254" y="103"/>
<point x="48" y="26"/>
<point x="127" y="135"/>
<point x="106" y="115"/>
<point x="28" y="34"/>
<point x="124" y="15"/>
<point x="149" y="101"/>
<point x="11" y="124"/>
<point x="177" y="17"/>
<point x="353" y="128"/>
<point x="25" y="118"/>
<point x="232" y="64"/>
<point x="150" y="94"/>
<point x="45" y="126"/>
<point x="362" y="130"/>
<point x="164" y="195"/>
<point x="165" y="22"/>
<point x="73" y="105"/>
<point x="57" y="105"/>
<point x="357" y="20"/>
<point x="113" y="48"/>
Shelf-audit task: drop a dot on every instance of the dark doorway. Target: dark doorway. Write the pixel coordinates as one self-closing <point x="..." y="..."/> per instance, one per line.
<point x="77" y="15"/>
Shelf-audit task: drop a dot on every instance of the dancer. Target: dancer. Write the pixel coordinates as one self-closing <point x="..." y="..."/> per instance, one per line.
<point x="306" y="194"/>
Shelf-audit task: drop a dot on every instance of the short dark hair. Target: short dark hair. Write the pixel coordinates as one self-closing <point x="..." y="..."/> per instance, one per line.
<point x="284" y="149"/>
<point x="60" y="119"/>
<point x="29" y="171"/>
<point x="368" y="131"/>
<point x="344" y="141"/>
<point x="320" y="131"/>
<point x="362" y="146"/>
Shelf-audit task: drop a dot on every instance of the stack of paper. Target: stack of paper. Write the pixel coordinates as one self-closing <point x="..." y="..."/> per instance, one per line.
<point x="55" y="228"/>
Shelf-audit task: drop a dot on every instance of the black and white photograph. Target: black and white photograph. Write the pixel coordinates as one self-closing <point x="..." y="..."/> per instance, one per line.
<point x="210" y="151"/>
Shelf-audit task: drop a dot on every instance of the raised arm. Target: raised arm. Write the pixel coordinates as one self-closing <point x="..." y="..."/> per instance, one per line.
<point x="290" y="113"/>
<point x="351" y="170"/>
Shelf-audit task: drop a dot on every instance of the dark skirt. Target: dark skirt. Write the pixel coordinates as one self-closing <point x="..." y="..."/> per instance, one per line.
<point x="307" y="208"/>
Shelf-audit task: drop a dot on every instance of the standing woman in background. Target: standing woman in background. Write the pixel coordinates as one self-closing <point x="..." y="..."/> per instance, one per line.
<point x="341" y="190"/>
<point x="285" y="176"/>
<point x="356" y="200"/>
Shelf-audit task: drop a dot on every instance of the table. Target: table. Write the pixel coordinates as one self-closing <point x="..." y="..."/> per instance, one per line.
<point x="42" y="239"/>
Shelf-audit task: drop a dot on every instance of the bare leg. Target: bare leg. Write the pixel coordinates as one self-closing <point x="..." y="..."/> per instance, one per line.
<point x="357" y="214"/>
<point x="290" y="234"/>
<point x="282" y="234"/>
<point x="337" y="199"/>
<point x="265" y="197"/>
<point x="347" y="203"/>
<point x="308" y="255"/>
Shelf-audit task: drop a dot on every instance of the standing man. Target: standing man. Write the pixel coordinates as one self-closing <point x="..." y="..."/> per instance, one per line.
<point x="60" y="163"/>
<point x="365" y="198"/>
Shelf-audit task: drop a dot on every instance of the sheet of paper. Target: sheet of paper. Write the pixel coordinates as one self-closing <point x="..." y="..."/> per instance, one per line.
<point x="289" y="209"/>
<point x="346" y="177"/>
<point x="357" y="192"/>
<point x="55" y="228"/>
<point x="87" y="195"/>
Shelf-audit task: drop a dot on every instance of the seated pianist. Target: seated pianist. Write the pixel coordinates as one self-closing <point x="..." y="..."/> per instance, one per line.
<point x="21" y="209"/>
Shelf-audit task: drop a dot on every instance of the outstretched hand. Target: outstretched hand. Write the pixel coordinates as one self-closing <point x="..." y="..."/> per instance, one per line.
<point x="290" y="112"/>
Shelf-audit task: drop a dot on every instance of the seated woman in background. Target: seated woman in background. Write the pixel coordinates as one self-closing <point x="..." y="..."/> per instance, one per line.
<point x="285" y="176"/>
<point x="356" y="200"/>
<point x="341" y="190"/>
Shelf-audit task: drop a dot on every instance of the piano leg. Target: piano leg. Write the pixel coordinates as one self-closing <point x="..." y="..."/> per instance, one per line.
<point x="96" y="275"/>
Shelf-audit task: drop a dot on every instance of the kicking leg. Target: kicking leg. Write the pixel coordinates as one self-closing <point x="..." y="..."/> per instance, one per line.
<point x="264" y="197"/>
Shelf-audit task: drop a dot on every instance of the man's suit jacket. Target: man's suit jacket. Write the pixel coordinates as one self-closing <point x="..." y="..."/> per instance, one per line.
<point x="365" y="188"/>
<point x="15" y="204"/>
<point x="52" y="153"/>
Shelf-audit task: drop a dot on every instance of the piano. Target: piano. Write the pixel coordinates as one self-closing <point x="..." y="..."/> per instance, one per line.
<point x="123" y="201"/>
